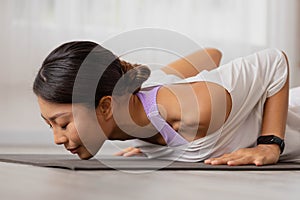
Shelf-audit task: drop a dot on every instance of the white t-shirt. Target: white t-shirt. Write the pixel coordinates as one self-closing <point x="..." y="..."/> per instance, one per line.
<point x="250" y="81"/>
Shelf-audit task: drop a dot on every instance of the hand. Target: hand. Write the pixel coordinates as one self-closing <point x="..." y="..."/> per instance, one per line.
<point x="262" y="154"/>
<point x="130" y="151"/>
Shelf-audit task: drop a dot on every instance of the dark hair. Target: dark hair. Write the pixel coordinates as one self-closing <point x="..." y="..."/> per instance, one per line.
<point x="56" y="77"/>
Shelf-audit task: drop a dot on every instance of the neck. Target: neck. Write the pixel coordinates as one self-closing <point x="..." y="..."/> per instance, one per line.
<point x="129" y="120"/>
<point x="137" y="112"/>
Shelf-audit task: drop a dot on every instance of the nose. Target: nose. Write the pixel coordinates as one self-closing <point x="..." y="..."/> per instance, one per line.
<point x="59" y="138"/>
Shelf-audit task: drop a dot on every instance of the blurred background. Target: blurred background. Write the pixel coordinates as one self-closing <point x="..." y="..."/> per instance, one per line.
<point x="30" y="29"/>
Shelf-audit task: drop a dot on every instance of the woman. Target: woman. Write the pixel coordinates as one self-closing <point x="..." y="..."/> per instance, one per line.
<point x="218" y="113"/>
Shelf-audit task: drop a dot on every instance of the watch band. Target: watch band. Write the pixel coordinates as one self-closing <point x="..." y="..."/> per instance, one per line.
<point x="271" y="139"/>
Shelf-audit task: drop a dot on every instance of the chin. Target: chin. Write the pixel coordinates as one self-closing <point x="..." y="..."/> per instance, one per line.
<point x="85" y="156"/>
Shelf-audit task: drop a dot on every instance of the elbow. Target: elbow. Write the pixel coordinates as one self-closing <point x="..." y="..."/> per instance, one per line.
<point x="215" y="55"/>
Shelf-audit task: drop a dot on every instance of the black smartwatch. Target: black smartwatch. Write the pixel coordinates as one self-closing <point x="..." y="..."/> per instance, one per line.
<point x="271" y="139"/>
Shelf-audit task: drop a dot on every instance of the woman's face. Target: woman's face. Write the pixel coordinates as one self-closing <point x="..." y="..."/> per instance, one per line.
<point x="85" y="137"/>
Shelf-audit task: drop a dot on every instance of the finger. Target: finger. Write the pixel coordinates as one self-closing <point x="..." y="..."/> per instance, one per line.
<point x="241" y="161"/>
<point x="216" y="161"/>
<point x="223" y="159"/>
<point x="259" y="161"/>
<point x="133" y="152"/>
<point x="208" y="161"/>
<point x="121" y="153"/>
<point x="219" y="161"/>
<point x="246" y="160"/>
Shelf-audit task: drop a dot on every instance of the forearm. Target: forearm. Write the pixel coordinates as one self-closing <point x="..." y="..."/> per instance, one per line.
<point x="275" y="112"/>
<point x="194" y="63"/>
<point x="275" y="115"/>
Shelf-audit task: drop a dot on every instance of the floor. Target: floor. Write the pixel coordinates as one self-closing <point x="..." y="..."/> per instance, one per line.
<point x="29" y="182"/>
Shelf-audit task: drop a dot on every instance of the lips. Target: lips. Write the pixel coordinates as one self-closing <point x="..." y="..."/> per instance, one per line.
<point x="73" y="150"/>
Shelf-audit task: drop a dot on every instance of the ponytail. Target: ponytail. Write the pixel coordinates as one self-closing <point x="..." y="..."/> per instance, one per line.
<point x="134" y="76"/>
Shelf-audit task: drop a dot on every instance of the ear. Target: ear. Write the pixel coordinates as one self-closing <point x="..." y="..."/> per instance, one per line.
<point x="105" y="107"/>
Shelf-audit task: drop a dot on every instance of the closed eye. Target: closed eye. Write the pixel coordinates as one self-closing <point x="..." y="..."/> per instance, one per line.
<point x="64" y="127"/>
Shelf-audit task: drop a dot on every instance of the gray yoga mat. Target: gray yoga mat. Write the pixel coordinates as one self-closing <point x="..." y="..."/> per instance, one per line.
<point x="130" y="163"/>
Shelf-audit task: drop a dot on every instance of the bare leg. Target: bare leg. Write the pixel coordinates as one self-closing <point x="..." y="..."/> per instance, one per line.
<point x="191" y="65"/>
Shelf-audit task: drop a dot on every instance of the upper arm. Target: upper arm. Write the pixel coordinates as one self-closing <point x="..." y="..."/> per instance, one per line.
<point x="194" y="63"/>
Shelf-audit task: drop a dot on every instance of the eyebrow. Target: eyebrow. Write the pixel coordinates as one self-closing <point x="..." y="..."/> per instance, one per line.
<point x="54" y="116"/>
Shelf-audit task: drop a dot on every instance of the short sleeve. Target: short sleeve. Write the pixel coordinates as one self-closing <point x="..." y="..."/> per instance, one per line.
<point x="280" y="72"/>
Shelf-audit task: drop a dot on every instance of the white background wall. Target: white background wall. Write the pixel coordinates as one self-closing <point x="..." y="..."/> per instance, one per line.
<point x="30" y="29"/>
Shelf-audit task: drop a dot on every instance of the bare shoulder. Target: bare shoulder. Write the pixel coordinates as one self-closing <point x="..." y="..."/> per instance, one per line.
<point x="202" y="104"/>
<point x="184" y="103"/>
<point x="168" y="104"/>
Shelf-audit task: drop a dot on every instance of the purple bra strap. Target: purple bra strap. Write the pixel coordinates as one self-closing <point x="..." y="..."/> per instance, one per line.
<point x="148" y="99"/>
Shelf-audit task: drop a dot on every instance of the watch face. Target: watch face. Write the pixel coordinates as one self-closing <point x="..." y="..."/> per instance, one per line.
<point x="265" y="139"/>
<point x="271" y="139"/>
